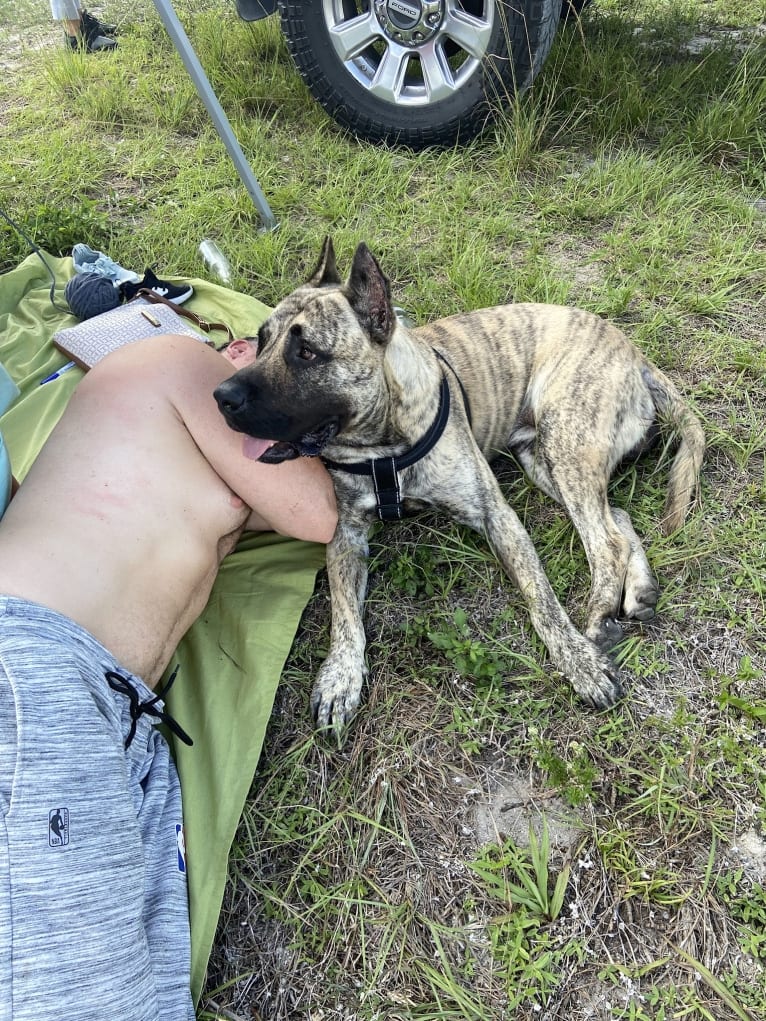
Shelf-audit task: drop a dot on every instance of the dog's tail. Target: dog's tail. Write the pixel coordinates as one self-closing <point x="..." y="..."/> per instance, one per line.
<point x="683" y="485"/>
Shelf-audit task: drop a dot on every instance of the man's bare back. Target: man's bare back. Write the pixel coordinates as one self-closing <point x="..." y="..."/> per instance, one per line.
<point x="139" y="493"/>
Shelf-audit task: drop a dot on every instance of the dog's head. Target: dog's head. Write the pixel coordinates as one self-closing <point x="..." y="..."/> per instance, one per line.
<point x="320" y="355"/>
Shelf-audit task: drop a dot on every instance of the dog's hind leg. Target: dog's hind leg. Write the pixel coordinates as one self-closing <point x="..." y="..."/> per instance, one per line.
<point x="523" y="445"/>
<point x="640" y="589"/>
<point x="607" y="547"/>
<point x="610" y="544"/>
<point x="589" y="672"/>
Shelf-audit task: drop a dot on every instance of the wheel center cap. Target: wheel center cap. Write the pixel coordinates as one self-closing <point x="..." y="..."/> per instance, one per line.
<point x="409" y="22"/>
<point x="404" y="14"/>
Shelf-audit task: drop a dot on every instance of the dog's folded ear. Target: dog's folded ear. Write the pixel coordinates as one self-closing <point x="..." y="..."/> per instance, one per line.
<point x="326" y="270"/>
<point x="369" y="295"/>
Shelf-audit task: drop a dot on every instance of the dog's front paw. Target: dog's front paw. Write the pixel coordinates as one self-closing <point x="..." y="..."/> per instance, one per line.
<point x="336" y="694"/>
<point x="594" y="677"/>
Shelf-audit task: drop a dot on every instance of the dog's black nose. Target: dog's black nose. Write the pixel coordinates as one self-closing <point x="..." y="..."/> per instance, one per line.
<point x="229" y="397"/>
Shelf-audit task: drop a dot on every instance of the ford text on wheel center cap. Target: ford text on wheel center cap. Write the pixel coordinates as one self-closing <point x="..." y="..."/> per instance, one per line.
<point x="409" y="22"/>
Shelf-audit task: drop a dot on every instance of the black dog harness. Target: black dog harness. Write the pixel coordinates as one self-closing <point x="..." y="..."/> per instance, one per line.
<point x="385" y="470"/>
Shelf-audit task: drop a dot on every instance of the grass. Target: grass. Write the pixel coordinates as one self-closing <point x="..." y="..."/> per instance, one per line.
<point x="392" y="878"/>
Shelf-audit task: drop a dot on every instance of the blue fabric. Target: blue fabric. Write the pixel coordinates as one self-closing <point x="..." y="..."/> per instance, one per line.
<point x="8" y="394"/>
<point x="5" y="477"/>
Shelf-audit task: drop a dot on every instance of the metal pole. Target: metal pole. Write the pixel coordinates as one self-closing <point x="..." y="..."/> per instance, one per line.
<point x="181" y="42"/>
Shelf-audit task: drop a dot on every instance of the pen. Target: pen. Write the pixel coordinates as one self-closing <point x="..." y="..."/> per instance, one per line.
<point x="59" y="372"/>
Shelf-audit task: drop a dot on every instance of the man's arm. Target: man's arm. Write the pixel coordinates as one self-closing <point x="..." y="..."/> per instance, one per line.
<point x="293" y="498"/>
<point x="312" y="510"/>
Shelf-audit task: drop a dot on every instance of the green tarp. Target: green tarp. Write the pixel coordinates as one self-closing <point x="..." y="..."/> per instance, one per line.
<point x="232" y="658"/>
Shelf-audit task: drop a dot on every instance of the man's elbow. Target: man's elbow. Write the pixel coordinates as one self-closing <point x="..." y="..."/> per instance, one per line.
<point x="312" y="531"/>
<point x="328" y="520"/>
<point x="328" y="530"/>
<point x="320" y="521"/>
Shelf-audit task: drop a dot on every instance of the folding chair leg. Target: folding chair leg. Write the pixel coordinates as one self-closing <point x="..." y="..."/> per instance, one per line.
<point x="181" y="42"/>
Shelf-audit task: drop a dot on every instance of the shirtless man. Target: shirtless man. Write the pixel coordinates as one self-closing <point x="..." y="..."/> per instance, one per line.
<point x="108" y="553"/>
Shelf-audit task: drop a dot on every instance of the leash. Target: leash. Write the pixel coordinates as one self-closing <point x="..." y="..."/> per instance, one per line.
<point x="385" y="470"/>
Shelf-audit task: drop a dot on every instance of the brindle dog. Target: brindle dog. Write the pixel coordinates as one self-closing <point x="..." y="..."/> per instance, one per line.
<point x="408" y="418"/>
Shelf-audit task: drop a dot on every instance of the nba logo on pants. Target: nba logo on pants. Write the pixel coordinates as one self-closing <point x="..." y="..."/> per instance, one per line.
<point x="58" y="827"/>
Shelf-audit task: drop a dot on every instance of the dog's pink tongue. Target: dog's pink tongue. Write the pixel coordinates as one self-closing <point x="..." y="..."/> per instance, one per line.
<point x="253" y="447"/>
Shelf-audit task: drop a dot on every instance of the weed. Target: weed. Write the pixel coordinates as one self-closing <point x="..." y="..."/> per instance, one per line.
<point x="530" y="870"/>
<point x="746" y="902"/>
<point x="56" y="229"/>
<point x="470" y="657"/>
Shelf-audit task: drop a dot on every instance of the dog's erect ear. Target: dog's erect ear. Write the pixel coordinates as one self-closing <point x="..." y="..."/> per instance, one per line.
<point x="369" y="295"/>
<point x="326" y="271"/>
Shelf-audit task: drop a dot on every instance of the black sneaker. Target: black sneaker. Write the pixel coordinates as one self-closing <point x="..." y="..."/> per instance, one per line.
<point x="177" y="293"/>
<point x="91" y="24"/>
<point x="91" y="44"/>
<point x="94" y="37"/>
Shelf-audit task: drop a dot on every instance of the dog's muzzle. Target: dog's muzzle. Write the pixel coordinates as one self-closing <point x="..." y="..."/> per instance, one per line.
<point x="243" y="413"/>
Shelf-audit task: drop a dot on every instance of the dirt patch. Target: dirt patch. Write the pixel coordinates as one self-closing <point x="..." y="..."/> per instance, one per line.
<point x="579" y="263"/>
<point x="515" y="806"/>
<point x="27" y="34"/>
<point x="750" y="848"/>
<point x="740" y="39"/>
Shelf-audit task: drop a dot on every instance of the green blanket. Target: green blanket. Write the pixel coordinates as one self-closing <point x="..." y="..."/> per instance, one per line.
<point x="232" y="658"/>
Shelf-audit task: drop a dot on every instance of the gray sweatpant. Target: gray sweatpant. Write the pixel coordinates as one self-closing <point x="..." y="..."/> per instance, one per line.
<point x="66" y="10"/>
<point x="94" y="917"/>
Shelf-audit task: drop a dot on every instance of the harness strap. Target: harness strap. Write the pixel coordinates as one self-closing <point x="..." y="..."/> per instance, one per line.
<point x="386" y="480"/>
<point x="385" y="470"/>
<point x="466" y="402"/>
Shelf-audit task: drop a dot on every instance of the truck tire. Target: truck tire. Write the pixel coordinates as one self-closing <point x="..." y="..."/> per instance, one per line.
<point x="417" y="72"/>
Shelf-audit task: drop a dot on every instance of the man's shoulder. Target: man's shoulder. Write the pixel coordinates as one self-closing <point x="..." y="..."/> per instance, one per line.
<point x="168" y="368"/>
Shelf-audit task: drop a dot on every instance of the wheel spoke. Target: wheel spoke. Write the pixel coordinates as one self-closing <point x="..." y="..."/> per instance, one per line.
<point x="350" y="38"/>
<point x="437" y="74"/>
<point x="470" y="33"/>
<point x="388" y="82"/>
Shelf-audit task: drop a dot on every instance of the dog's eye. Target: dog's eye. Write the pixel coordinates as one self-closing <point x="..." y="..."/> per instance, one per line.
<point x="299" y="345"/>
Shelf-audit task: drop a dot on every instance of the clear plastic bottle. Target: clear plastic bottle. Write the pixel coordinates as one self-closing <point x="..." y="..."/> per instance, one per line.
<point x="404" y="317"/>
<point x="215" y="260"/>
